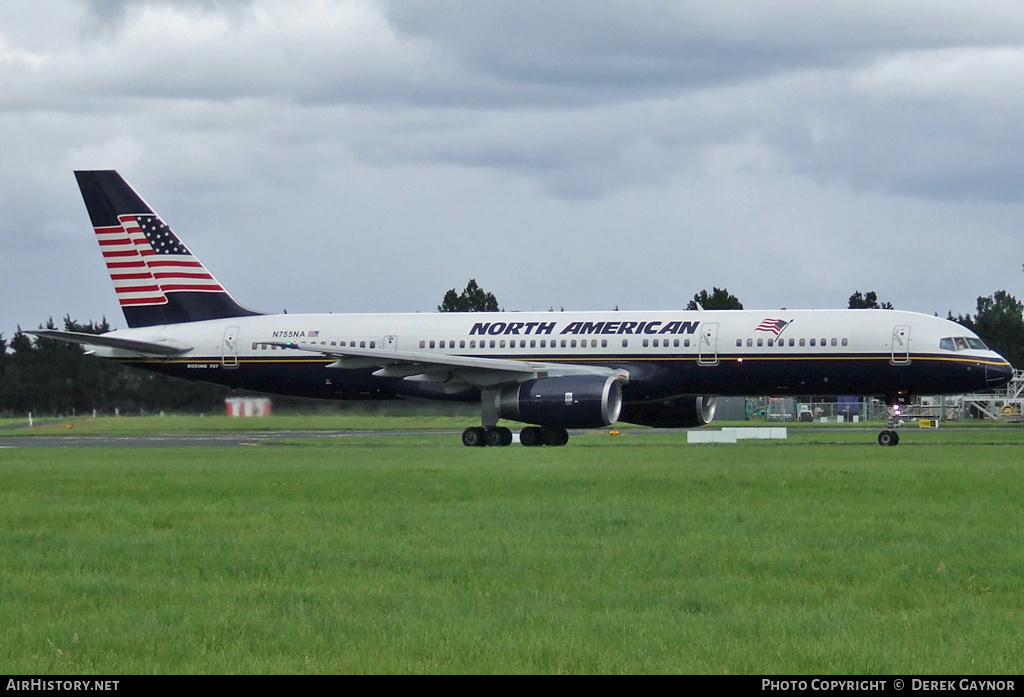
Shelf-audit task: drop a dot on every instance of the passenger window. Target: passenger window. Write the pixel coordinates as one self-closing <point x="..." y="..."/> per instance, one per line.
<point x="646" y="343"/>
<point x="812" y="342"/>
<point x="845" y="342"/>
<point x="802" y="342"/>
<point x="686" y="343"/>
<point x="543" y="343"/>
<point x="771" y="342"/>
<point x="563" y="343"/>
<point x="254" y="346"/>
<point x="834" y="342"/>
<point x="373" y="344"/>
<point x="739" y="342"/>
<point x="572" y="344"/>
<point x="501" y="344"/>
<point x="760" y="342"/>
<point x="750" y="342"/>
<point x="604" y="343"/>
<point x="492" y="343"/>
<point x="791" y="342"/>
<point x="823" y="342"/>
<point x="432" y="344"/>
<point x="423" y="344"/>
<point x="625" y="343"/>
<point x="675" y="343"/>
<point x="462" y="343"/>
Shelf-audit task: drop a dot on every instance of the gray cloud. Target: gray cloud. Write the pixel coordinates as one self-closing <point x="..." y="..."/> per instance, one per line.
<point x="369" y="155"/>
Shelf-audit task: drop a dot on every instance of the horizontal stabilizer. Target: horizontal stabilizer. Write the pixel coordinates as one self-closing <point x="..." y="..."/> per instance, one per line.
<point x="161" y="348"/>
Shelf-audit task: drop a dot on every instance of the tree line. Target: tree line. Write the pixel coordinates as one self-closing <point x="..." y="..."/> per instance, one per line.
<point x="50" y="377"/>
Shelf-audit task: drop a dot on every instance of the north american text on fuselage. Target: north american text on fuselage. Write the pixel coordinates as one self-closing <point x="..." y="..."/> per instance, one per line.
<point x="576" y="328"/>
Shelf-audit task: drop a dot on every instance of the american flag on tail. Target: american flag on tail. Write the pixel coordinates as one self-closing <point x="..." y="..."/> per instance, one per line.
<point x="775" y="326"/>
<point x="146" y="260"/>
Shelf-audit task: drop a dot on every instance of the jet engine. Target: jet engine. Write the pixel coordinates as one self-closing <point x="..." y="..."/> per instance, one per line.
<point x="678" y="412"/>
<point x="572" y="401"/>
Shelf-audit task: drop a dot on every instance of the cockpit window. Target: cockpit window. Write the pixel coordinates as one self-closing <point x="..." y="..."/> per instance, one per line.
<point x="962" y="343"/>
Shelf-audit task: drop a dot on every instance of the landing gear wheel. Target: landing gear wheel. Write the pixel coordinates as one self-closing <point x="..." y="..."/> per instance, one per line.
<point x="555" y="436"/>
<point x="531" y="436"/>
<point x="473" y="437"/>
<point x="498" y="436"/>
<point x="888" y="438"/>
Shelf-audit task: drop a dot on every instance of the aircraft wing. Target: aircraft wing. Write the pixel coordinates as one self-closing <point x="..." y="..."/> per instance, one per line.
<point x="161" y="348"/>
<point x="457" y="373"/>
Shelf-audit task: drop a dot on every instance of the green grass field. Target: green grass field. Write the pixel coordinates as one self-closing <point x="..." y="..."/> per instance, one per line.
<point x="355" y="420"/>
<point x="821" y="554"/>
<point x="384" y="418"/>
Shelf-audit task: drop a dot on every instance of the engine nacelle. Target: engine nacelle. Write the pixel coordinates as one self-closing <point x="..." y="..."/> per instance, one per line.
<point x="572" y="401"/>
<point x="678" y="412"/>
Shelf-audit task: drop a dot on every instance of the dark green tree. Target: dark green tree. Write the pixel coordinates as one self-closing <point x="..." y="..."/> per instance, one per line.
<point x="860" y="301"/>
<point x="472" y="299"/>
<point x="1000" y="324"/>
<point x="719" y="299"/>
<point x="49" y="377"/>
<point x="3" y="371"/>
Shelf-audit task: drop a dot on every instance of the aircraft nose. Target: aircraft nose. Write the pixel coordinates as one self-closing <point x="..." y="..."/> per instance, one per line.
<point x="998" y="374"/>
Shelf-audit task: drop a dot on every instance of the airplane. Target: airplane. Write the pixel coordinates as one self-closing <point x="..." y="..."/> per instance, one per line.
<point x="553" y="371"/>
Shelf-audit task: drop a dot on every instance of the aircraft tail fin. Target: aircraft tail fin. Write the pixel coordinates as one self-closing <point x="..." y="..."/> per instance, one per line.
<point x="156" y="278"/>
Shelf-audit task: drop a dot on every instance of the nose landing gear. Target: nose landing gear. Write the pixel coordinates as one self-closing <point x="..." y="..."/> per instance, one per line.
<point x="889" y="437"/>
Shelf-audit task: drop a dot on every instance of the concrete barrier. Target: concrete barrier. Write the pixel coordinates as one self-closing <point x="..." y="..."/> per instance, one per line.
<point x="753" y="433"/>
<point x="710" y="437"/>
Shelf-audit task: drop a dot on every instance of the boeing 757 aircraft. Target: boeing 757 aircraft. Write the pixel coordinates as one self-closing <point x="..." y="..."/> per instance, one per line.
<point x="554" y="371"/>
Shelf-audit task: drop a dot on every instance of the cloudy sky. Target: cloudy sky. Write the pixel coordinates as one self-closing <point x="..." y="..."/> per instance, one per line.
<point x="368" y="155"/>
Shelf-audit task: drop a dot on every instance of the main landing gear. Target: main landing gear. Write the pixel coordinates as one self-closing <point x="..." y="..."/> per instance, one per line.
<point x="530" y="436"/>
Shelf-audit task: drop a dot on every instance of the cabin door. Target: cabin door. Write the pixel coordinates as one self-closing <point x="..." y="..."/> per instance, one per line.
<point x="229" y="348"/>
<point x="391" y="342"/>
<point x="901" y="344"/>
<point x="707" y="350"/>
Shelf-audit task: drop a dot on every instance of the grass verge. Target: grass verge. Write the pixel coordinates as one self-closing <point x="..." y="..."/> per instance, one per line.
<point x="612" y="555"/>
